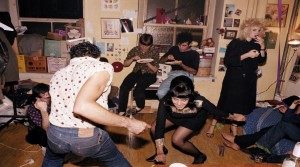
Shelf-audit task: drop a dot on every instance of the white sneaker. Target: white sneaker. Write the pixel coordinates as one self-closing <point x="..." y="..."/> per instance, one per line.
<point x="44" y="150"/>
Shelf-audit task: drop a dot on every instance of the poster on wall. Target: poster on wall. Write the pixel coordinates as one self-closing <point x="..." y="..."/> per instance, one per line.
<point x="229" y="10"/>
<point x="296" y="71"/>
<point x="126" y="25"/>
<point x="228" y="22"/>
<point x="271" y="38"/>
<point x="236" y="22"/>
<point x="110" y="28"/>
<point x="110" y="5"/>
<point x="271" y="15"/>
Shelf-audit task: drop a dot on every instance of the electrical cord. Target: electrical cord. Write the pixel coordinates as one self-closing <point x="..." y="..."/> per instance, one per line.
<point x="28" y="162"/>
<point x="24" y="150"/>
<point x="281" y="74"/>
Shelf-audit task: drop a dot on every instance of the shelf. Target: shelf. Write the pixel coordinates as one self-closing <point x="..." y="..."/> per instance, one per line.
<point x="176" y="25"/>
<point x="28" y="75"/>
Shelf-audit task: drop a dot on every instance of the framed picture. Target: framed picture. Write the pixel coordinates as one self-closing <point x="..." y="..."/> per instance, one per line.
<point x="126" y="25"/>
<point x="110" y="28"/>
<point x="74" y="32"/>
<point x="230" y="34"/>
<point x="271" y="16"/>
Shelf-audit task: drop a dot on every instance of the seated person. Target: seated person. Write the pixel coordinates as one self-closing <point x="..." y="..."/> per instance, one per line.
<point x="38" y="115"/>
<point x="267" y="137"/>
<point x="184" y="61"/>
<point x="143" y="74"/>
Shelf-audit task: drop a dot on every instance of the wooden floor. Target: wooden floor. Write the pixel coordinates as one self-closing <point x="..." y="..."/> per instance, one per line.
<point x="14" y="150"/>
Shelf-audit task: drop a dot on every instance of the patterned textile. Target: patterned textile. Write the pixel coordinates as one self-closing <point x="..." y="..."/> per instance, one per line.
<point x="264" y="117"/>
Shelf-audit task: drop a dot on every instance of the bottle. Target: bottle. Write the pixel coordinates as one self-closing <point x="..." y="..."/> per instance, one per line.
<point x="292" y="161"/>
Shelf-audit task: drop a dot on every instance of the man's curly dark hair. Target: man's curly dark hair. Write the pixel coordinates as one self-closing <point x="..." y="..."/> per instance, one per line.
<point x="85" y="49"/>
<point x="184" y="37"/>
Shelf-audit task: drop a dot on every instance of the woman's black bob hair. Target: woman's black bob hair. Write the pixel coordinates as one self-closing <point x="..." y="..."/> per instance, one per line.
<point x="181" y="87"/>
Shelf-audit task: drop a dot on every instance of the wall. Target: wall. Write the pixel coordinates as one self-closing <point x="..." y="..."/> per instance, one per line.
<point x="4" y="5"/>
<point x="290" y="88"/>
<point x="250" y="8"/>
<point x="93" y="15"/>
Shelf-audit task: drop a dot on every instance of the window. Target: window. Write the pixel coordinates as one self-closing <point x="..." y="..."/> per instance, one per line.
<point x="183" y="9"/>
<point x="165" y="20"/>
<point x="43" y="16"/>
<point x="66" y="9"/>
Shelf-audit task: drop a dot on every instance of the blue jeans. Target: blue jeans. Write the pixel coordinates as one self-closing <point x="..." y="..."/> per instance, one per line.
<point x="279" y="131"/>
<point x="165" y="85"/>
<point x="93" y="142"/>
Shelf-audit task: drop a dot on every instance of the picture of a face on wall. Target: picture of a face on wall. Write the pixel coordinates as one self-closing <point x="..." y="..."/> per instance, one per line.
<point x="271" y="15"/>
<point x="110" y="28"/>
<point x="229" y="10"/>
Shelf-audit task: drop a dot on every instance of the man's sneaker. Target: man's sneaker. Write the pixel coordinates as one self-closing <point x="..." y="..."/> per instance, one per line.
<point x="43" y="150"/>
<point x="254" y="151"/>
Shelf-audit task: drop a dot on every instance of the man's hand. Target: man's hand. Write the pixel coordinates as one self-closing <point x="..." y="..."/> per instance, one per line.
<point x="171" y="57"/>
<point x="294" y="104"/>
<point x="135" y="58"/>
<point x="136" y="127"/>
<point x="41" y="105"/>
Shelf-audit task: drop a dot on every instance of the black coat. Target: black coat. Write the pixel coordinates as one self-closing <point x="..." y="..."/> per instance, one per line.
<point x="238" y="94"/>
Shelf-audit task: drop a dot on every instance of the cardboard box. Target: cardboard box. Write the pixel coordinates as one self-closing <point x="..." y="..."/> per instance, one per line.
<point x="205" y="62"/>
<point x="203" y="72"/>
<point x="52" y="48"/>
<point x="55" y="36"/>
<point x="56" y="63"/>
<point x="21" y="63"/>
<point x="37" y="64"/>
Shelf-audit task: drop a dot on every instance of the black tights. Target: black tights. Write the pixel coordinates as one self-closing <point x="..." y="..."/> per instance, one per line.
<point x="180" y="139"/>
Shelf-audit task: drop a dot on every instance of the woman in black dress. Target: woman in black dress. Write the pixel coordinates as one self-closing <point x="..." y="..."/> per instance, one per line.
<point x="242" y="58"/>
<point x="186" y="110"/>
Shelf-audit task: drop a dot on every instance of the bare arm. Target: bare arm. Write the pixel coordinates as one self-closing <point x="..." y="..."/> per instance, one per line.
<point x="42" y="106"/>
<point x="152" y="67"/>
<point x="128" y="62"/>
<point x="87" y="107"/>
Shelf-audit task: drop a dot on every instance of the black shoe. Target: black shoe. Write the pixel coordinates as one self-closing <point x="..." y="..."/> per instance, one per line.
<point x="259" y="158"/>
<point x="152" y="158"/>
<point x="254" y="151"/>
<point x="200" y="159"/>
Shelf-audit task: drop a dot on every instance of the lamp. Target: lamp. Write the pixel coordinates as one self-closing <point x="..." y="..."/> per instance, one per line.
<point x="297" y="31"/>
<point x="294" y="43"/>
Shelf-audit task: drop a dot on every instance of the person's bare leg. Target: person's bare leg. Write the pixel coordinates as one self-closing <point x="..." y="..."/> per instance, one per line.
<point x="229" y="141"/>
<point x="211" y="128"/>
<point x="233" y="129"/>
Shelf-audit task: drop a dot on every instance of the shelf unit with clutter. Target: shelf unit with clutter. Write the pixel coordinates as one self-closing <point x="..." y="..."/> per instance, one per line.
<point x="47" y="54"/>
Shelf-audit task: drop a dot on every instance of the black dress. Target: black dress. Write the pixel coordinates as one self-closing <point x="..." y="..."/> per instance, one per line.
<point x="193" y="119"/>
<point x="238" y="94"/>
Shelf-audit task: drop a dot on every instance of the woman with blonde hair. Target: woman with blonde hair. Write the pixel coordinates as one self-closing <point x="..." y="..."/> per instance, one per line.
<point x="242" y="58"/>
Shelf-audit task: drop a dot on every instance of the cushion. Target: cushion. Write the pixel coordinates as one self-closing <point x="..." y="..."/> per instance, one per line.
<point x="264" y="117"/>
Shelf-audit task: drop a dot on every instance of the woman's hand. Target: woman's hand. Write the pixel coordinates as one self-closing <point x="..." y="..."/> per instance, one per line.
<point x="237" y="117"/>
<point x="253" y="53"/>
<point x="260" y="41"/>
<point x="160" y="158"/>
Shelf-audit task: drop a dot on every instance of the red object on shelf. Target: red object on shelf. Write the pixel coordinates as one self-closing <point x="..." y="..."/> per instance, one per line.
<point x="160" y="15"/>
